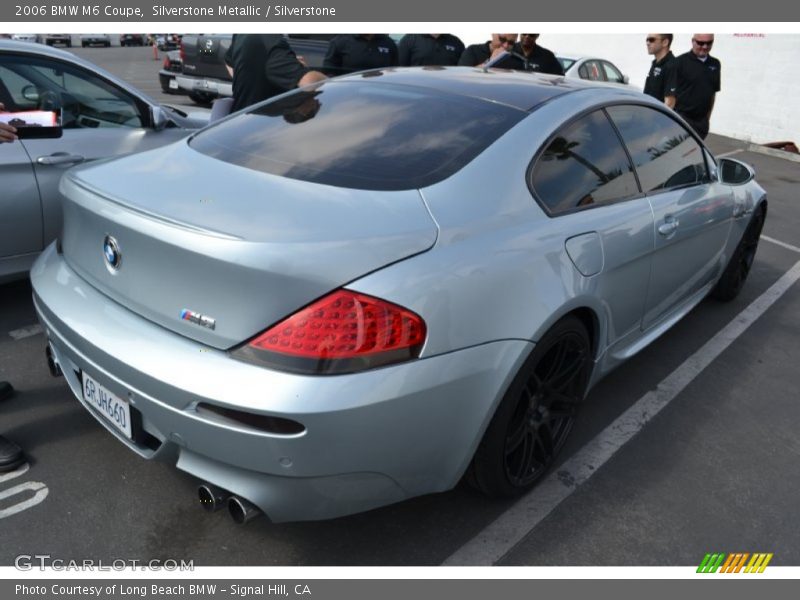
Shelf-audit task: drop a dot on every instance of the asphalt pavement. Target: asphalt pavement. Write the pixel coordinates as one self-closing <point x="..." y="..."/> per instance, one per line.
<point x="714" y="471"/>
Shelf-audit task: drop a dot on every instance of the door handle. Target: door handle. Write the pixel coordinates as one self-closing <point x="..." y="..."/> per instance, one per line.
<point x="668" y="227"/>
<point x="60" y="158"/>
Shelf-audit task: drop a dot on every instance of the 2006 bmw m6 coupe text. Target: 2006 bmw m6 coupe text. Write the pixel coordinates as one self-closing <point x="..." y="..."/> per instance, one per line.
<point x="355" y="294"/>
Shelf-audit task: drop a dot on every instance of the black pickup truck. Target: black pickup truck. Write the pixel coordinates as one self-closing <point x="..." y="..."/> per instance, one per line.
<point x="205" y="76"/>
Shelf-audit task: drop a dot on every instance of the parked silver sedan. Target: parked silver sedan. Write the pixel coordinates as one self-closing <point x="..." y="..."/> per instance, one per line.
<point x="592" y="68"/>
<point x="360" y="293"/>
<point x="102" y="116"/>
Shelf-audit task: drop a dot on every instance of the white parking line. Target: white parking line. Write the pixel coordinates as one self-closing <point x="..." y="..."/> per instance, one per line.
<point x="500" y="537"/>
<point x="26" y="332"/>
<point x="780" y="243"/>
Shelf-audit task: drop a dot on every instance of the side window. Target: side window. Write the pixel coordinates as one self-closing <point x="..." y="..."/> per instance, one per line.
<point x="585" y="164"/>
<point x="85" y="100"/>
<point x="591" y="71"/>
<point x="664" y="152"/>
<point x="612" y="74"/>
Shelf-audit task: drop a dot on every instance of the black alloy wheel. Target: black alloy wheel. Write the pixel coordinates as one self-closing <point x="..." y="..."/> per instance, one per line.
<point x="735" y="274"/>
<point x="536" y="414"/>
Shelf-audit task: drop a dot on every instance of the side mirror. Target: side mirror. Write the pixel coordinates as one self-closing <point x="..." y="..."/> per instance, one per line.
<point x="626" y="80"/>
<point x="158" y="117"/>
<point x="734" y="172"/>
<point x="30" y="93"/>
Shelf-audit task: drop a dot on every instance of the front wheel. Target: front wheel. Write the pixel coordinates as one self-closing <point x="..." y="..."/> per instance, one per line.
<point x="735" y="274"/>
<point x="536" y="414"/>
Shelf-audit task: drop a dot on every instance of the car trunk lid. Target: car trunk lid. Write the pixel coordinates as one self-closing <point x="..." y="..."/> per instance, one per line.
<point x="237" y="248"/>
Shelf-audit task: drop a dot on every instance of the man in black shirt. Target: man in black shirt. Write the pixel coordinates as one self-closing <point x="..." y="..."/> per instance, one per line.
<point x="11" y="455"/>
<point x="264" y="65"/>
<point x="356" y="52"/>
<point x="529" y="56"/>
<point x="477" y="54"/>
<point x="429" y="49"/>
<point x="694" y="82"/>
<point x="658" y="46"/>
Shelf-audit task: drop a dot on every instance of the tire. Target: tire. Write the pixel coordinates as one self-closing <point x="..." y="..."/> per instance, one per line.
<point x="738" y="268"/>
<point x="201" y="98"/>
<point x="536" y="413"/>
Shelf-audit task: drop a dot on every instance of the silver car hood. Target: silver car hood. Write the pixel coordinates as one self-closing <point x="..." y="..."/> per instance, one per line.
<point x="239" y="247"/>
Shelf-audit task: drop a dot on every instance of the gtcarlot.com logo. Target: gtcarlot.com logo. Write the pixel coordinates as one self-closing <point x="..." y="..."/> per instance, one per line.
<point x="735" y="563"/>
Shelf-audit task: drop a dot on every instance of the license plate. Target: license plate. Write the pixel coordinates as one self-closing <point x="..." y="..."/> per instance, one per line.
<point x="173" y="84"/>
<point x="113" y="408"/>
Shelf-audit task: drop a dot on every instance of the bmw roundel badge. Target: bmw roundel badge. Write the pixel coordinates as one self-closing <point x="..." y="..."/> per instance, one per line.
<point x="111" y="252"/>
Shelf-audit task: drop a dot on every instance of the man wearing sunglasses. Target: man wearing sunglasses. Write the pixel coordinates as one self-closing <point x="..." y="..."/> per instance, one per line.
<point x="477" y="54"/>
<point x="694" y="83"/>
<point x="658" y="46"/>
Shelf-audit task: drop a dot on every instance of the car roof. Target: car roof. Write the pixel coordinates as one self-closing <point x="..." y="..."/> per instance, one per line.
<point x="521" y="90"/>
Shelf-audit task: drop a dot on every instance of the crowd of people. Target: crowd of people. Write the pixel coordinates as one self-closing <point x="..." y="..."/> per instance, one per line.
<point x="264" y="65"/>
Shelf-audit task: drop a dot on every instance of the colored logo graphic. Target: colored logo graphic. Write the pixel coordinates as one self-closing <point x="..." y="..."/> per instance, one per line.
<point x="735" y="563"/>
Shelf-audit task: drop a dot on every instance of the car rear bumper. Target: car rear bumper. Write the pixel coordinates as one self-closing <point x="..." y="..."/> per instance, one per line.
<point x="213" y="87"/>
<point x="369" y="439"/>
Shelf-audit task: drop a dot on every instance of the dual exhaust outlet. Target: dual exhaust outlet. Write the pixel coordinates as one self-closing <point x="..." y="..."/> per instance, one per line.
<point x="213" y="499"/>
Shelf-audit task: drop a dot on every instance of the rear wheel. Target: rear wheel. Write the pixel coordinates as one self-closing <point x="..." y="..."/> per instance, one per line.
<point x="735" y="274"/>
<point x="536" y="414"/>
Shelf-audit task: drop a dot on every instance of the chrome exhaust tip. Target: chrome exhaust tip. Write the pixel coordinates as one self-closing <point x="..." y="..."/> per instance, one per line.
<point x="211" y="497"/>
<point x="242" y="511"/>
<point x="52" y="363"/>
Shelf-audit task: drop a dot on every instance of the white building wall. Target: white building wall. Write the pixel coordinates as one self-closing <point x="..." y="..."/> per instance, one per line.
<point x="760" y="97"/>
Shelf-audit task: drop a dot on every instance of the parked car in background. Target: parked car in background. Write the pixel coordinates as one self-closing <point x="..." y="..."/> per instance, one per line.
<point x="205" y="76"/>
<point x="95" y="39"/>
<point x="52" y="39"/>
<point x="171" y="67"/>
<point x="592" y="69"/>
<point x="132" y="39"/>
<point x="24" y="37"/>
<point x="101" y="116"/>
<point x="168" y="41"/>
<point x="348" y="296"/>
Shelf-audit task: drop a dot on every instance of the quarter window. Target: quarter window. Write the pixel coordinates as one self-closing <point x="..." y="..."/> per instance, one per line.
<point x="585" y="164"/>
<point x="666" y="155"/>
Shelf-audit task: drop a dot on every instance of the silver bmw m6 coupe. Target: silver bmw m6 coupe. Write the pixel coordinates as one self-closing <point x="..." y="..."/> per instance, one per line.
<point x="355" y="294"/>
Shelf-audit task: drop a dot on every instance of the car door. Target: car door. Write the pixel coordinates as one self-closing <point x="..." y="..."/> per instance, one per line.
<point x="692" y="213"/>
<point x="20" y="208"/>
<point x="99" y="120"/>
<point x="585" y="181"/>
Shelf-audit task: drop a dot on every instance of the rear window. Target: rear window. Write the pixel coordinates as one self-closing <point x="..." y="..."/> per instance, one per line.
<point x="360" y="135"/>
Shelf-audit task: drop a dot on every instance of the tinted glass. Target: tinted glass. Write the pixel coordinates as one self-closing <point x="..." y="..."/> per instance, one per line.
<point x="612" y="74"/>
<point x="84" y="99"/>
<point x="566" y="63"/>
<point x="585" y="164"/>
<point x="664" y="152"/>
<point x="360" y="135"/>
<point x="591" y="70"/>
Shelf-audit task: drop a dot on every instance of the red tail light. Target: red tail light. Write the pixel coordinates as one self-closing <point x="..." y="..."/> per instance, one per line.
<point x="340" y="333"/>
<point x="166" y="62"/>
